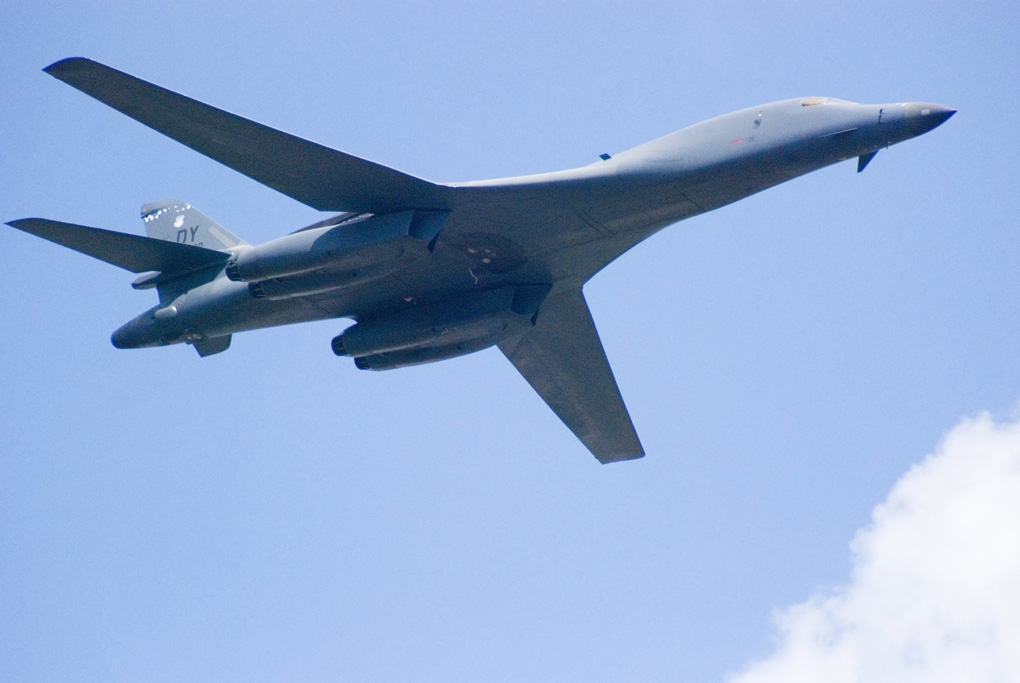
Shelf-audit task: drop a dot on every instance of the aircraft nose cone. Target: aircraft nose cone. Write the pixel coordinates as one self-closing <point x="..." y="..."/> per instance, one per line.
<point x="927" y="115"/>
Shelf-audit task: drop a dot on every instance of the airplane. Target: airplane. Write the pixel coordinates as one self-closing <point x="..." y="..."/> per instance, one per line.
<point x="430" y="271"/>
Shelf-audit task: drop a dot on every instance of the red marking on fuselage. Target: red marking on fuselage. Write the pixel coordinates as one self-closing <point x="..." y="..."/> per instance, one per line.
<point x="733" y="142"/>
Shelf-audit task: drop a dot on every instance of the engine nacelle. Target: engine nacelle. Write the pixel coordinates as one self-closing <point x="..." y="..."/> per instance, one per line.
<point x="435" y="331"/>
<point x="356" y="242"/>
<point x="307" y="284"/>
<point x="403" y="359"/>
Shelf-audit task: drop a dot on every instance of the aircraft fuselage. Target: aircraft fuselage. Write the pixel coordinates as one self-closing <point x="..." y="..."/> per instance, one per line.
<point x="602" y="210"/>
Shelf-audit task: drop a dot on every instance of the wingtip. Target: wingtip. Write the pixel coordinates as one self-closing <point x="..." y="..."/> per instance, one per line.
<point x="623" y="457"/>
<point x="66" y="66"/>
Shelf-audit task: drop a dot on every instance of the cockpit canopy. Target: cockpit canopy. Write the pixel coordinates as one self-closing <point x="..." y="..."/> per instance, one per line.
<point x="815" y="101"/>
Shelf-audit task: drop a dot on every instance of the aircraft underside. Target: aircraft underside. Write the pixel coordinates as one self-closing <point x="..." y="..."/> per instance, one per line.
<point x="429" y="271"/>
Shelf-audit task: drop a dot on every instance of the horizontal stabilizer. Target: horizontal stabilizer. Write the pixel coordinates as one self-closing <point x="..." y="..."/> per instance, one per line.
<point x="131" y="252"/>
<point x="323" y="178"/>
<point x="563" y="360"/>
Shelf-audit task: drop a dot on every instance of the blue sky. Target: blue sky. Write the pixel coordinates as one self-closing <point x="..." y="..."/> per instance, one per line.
<point x="272" y="513"/>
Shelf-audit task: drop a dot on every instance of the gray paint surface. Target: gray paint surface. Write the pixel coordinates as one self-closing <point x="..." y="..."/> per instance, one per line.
<point x="410" y="249"/>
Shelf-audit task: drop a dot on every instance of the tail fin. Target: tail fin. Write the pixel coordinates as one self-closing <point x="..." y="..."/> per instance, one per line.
<point x="175" y="220"/>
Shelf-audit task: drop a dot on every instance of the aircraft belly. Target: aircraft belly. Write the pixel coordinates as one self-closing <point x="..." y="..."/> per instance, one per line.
<point x="518" y="233"/>
<point x="660" y="203"/>
<point x="521" y="227"/>
<point x="382" y="294"/>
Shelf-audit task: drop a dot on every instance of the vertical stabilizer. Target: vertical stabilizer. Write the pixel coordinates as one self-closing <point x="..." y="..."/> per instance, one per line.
<point x="175" y="220"/>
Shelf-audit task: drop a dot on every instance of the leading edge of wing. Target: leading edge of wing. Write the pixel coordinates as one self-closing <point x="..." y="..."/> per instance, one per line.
<point x="563" y="360"/>
<point x="321" y="177"/>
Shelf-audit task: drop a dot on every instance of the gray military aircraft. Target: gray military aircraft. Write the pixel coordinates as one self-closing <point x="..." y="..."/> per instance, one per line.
<point x="431" y="271"/>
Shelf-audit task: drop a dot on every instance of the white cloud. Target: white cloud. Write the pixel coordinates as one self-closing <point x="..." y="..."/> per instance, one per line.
<point x="935" y="590"/>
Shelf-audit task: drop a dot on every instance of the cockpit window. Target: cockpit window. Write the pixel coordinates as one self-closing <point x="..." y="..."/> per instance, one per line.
<point x="815" y="101"/>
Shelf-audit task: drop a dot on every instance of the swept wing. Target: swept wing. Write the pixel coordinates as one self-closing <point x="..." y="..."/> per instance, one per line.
<point x="563" y="360"/>
<point x="323" y="178"/>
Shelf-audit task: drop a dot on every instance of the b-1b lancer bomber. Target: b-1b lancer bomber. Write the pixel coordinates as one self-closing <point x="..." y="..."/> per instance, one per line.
<point x="430" y="271"/>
